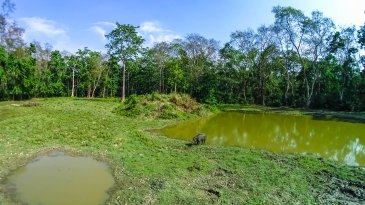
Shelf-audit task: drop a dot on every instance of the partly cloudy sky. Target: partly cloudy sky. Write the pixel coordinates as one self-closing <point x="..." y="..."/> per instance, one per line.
<point x="49" y="31"/>
<point x="71" y="25"/>
<point x="46" y="31"/>
<point x="153" y="32"/>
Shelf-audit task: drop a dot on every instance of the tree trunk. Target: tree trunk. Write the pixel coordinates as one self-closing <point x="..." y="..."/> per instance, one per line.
<point x="307" y="99"/>
<point x="310" y="90"/>
<point x="287" y="88"/>
<point x="263" y="94"/>
<point x="128" y="91"/>
<point x="93" y="91"/>
<point x="160" y="79"/>
<point x="123" y="86"/>
<point x="244" y="89"/>
<point x="89" y="91"/>
<point x="341" y="94"/>
<point x="96" y="84"/>
<point x="163" y="81"/>
<point x="104" y="90"/>
<point x="73" y="83"/>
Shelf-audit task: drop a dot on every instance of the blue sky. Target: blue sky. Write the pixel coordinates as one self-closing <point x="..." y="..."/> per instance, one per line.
<point x="75" y="24"/>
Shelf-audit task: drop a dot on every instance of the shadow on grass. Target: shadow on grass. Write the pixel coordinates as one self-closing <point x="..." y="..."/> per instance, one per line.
<point x="190" y="144"/>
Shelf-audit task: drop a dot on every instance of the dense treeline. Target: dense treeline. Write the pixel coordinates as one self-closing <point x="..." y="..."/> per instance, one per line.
<point x="298" y="61"/>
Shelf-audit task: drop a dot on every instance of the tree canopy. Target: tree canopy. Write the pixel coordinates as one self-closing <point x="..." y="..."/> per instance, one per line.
<point x="298" y="61"/>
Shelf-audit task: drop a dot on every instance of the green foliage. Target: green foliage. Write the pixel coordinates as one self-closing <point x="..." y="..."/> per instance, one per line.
<point x="124" y="42"/>
<point x="298" y="61"/>
<point x="153" y="106"/>
<point x="361" y="36"/>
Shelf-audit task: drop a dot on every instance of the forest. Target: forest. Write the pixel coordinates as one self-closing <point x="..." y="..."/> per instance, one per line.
<point x="298" y="61"/>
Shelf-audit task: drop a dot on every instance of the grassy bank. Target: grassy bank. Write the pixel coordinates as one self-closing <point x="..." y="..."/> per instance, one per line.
<point x="152" y="169"/>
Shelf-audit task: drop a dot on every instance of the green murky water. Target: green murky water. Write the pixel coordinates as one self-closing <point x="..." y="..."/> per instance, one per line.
<point x="58" y="179"/>
<point x="337" y="140"/>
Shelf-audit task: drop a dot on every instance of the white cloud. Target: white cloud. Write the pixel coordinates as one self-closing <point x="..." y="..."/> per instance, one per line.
<point x="152" y="27"/>
<point x="153" y="33"/>
<point x="47" y="31"/>
<point x="63" y="38"/>
<point x="162" y="38"/>
<point x="105" y="24"/>
<point x="99" y="31"/>
<point x="43" y="26"/>
<point x="101" y="28"/>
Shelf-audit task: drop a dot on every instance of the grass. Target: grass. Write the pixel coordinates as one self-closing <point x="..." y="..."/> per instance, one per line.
<point x="152" y="169"/>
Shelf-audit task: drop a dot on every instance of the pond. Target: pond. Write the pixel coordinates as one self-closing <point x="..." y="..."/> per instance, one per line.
<point x="336" y="140"/>
<point x="58" y="179"/>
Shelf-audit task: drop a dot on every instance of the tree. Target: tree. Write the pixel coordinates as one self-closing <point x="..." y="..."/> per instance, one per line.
<point x="3" y="75"/>
<point x="244" y="44"/>
<point x="160" y="54"/>
<point x="59" y="76"/>
<point x="361" y="36"/>
<point x="84" y="72"/>
<point x="43" y="75"/>
<point x="200" y="53"/>
<point x="258" y="52"/>
<point x="175" y="71"/>
<point x="10" y="33"/>
<point x="288" y="63"/>
<point x="266" y="53"/>
<point x="20" y="74"/>
<point x="232" y="74"/>
<point x="307" y="38"/>
<point x="343" y="46"/>
<point x="97" y="68"/>
<point x="71" y="61"/>
<point x="125" y="45"/>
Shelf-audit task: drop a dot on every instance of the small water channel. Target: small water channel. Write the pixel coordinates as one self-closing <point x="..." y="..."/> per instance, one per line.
<point x="59" y="179"/>
<point x="336" y="140"/>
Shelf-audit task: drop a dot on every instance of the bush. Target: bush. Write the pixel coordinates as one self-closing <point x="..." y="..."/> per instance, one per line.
<point x="162" y="106"/>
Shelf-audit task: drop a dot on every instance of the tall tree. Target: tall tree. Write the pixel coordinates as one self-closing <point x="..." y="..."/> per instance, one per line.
<point x="59" y="75"/>
<point x="244" y="43"/>
<point x="125" y="44"/>
<point x="160" y="54"/>
<point x="343" y="46"/>
<point x="97" y="67"/>
<point x="71" y="61"/>
<point x="201" y="53"/>
<point x="307" y="37"/>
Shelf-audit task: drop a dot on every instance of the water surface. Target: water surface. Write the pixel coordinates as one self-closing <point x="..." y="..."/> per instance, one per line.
<point x="337" y="140"/>
<point x="58" y="179"/>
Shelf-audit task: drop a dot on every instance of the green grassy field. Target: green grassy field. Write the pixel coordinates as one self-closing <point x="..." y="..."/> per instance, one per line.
<point x="152" y="169"/>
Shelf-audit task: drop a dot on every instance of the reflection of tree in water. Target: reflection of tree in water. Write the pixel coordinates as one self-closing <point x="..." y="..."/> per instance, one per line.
<point x="354" y="150"/>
